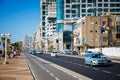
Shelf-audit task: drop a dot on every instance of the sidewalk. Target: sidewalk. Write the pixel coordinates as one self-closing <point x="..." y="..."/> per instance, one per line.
<point x="17" y="69"/>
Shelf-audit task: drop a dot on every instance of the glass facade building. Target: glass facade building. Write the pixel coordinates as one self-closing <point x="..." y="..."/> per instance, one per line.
<point x="60" y="15"/>
<point x="68" y="11"/>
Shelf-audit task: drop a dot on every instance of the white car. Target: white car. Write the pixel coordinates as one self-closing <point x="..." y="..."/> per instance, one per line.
<point x="95" y="59"/>
<point x="54" y="53"/>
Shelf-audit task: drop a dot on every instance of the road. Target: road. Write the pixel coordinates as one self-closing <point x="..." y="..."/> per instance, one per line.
<point x="75" y="69"/>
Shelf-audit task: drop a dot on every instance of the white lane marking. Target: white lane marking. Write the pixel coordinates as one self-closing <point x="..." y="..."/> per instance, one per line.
<point x="52" y="74"/>
<point x="118" y="75"/>
<point x="107" y="72"/>
<point x="95" y="68"/>
<point x="79" y="79"/>
<point x="32" y="71"/>
<point x="69" y="73"/>
<point x="47" y="71"/>
<point x="80" y="65"/>
<point x="75" y="63"/>
<point x="74" y="76"/>
<point x="56" y="78"/>
<point x="61" y="69"/>
<point x="87" y="66"/>
<point x="44" y="68"/>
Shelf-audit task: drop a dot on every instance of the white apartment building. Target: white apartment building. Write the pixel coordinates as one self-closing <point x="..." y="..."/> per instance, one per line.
<point x="27" y="42"/>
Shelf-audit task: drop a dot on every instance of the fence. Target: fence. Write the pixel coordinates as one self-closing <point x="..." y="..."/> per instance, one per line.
<point x="112" y="51"/>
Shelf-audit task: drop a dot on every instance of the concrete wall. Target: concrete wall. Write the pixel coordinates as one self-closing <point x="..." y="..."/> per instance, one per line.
<point x="113" y="51"/>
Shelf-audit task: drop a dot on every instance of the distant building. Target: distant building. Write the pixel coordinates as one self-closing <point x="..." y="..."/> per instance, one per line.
<point x="27" y="41"/>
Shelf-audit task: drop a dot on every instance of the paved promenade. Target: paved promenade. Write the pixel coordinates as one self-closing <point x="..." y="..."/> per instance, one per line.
<point x="17" y="69"/>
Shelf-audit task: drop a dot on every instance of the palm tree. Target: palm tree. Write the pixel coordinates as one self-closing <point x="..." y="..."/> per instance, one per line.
<point x="17" y="47"/>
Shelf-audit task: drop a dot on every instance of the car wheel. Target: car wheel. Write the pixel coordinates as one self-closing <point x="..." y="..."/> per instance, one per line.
<point x="85" y="63"/>
<point x="91" y="64"/>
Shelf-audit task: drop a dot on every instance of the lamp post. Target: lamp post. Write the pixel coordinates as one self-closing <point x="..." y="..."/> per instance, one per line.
<point x="6" y="36"/>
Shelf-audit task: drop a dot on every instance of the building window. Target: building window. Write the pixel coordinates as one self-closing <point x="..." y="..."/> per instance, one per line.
<point x="74" y="6"/>
<point x="67" y="6"/>
<point x="90" y="1"/>
<point x="105" y="10"/>
<point x="105" y="0"/>
<point x="99" y="0"/>
<point x="118" y="28"/>
<point x="74" y="1"/>
<point x="91" y="31"/>
<point x="73" y="16"/>
<point x="83" y="15"/>
<point x="100" y="5"/>
<point x="83" y="1"/>
<point x="43" y="7"/>
<point x="89" y="15"/>
<point x="67" y="11"/>
<point x="83" y="10"/>
<point x="89" y="10"/>
<point x="105" y="5"/>
<point x="104" y="22"/>
<point x="83" y="5"/>
<point x="73" y="11"/>
<point x="67" y="16"/>
<point x="67" y="1"/>
<point x="105" y="40"/>
<point x="118" y="36"/>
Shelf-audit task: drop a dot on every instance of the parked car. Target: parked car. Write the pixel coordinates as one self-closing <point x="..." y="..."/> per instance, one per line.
<point x="73" y="53"/>
<point x="33" y="52"/>
<point x="95" y="59"/>
<point x="39" y="52"/>
<point x="86" y="52"/>
<point x="66" y="52"/>
<point x="54" y="54"/>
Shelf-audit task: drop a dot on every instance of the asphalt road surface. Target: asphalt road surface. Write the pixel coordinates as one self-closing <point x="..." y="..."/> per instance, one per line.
<point x="44" y="71"/>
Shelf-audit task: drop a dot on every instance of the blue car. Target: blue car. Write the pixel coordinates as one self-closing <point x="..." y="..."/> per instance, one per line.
<point x="94" y="59"/>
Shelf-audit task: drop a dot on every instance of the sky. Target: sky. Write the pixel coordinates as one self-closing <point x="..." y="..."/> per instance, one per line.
<point x="19" y="18"/>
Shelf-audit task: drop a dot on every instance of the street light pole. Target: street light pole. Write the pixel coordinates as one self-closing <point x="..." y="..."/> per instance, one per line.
<point x="100" y="38"/>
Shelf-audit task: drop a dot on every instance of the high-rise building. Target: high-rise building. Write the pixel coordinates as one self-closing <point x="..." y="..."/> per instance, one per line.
<point x="27" y="41"/>
<point x="47" y="6"/>
<point x="69" y="11"/>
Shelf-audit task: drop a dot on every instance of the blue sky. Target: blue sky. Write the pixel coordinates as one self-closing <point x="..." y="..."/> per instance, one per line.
<point x="19" y="17"/>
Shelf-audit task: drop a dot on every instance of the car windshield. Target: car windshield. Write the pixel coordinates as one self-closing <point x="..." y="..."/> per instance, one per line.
<point x="98" y="56"/>
<point x="54" y="52"/>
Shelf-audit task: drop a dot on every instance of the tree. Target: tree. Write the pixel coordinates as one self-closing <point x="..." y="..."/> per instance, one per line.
<point x="18" y="47"/>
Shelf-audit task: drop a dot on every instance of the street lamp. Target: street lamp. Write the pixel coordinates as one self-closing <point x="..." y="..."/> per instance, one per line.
<point x="6" y="36"/>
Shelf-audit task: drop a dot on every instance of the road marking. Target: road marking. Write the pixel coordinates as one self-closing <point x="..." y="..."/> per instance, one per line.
<point x="107" y="72"/>
<point x="87" y="66"/>
<point x="34" y="76"/>
<point x="51" y="74"/>
<point x="79" y="79"/>
<point x="47" y="71"/>
<point x="69" y="73"/>
<point x="74" y="76"/>
<point x="75" y="63"/>
<point x="44" y="68"/>
<point x="62" y="69"/>
<point x="80" y="65"/>
<point x="118" y="75"/>
<point x="56" y="78"/>
<point x="95" y="68"/>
